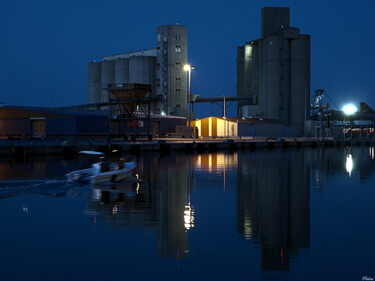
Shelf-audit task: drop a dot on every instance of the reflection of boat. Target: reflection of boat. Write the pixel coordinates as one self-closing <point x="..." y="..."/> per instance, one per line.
<point x="104" y="172"/>
<point x="129" y="188"/>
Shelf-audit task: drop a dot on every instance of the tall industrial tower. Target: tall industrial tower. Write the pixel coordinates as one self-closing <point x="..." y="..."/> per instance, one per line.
<point x="171" y="78"/>
<point x="275" y="71"/>
<point x="161" y="68"/>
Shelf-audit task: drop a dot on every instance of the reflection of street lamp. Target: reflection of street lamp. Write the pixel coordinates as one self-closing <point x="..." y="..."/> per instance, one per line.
<point x="349" y="164"/>
<point x="349" y="110"/>
<point x="189" y="68"/>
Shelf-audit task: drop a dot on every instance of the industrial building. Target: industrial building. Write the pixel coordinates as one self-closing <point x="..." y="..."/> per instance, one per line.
<point x="42" y="122"/>
<point x="241" y="127"/>
<point x="162" y="68"/>
<point x="275" y="71"/>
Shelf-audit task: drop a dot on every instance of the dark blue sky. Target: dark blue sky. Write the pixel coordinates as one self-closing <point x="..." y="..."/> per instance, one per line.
<point x="46" y="45"/>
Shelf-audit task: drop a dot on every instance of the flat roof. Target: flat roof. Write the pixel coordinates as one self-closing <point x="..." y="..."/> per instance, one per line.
<point x="143" y="53"/>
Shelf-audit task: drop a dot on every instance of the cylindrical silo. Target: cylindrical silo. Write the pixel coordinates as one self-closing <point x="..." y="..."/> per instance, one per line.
<point x="300" y="81"/>
<point x="108" y="77"/>
<point x="142" y="70"/>
<point x="122" y="71"/>
<point x="95" y="83"/>
<point x="273" y="57"/>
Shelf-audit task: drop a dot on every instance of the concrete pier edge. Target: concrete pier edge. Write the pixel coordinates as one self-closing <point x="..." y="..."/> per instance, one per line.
<point x="73" y="146"/>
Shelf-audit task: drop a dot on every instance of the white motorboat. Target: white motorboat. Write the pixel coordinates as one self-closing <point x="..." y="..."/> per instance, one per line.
<point x="104" y="172"/>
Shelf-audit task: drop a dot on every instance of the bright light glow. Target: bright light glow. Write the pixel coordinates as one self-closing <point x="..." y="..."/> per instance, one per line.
<point x="188" y="217"/>
<point x="188" y="67"/>
<point x="248" y="51"/>
<point x="114" y="210"/>
<point x="349" y="109"/>
<point x="349" y="164"/>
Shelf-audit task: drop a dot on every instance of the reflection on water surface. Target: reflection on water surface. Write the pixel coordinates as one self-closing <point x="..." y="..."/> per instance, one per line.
<point x="258" y="214"/>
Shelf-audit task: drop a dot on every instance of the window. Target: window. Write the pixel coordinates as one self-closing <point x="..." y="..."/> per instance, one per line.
<point x="178" y="81"/>
<point x="178" y="65"/>
<point x="178" y="92"/>
<point x="178" y="49"/>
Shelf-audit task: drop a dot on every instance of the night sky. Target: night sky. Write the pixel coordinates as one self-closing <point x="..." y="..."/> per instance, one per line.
<point x="46" y="45"/>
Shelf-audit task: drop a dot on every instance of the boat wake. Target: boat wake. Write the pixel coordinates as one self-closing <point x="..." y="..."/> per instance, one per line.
<point x="47" y="187"/>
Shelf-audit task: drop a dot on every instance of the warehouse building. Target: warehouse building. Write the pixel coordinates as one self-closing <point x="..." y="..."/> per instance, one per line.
<point x="43" y="122"/>
<point x="275" y="71"/>
<point x="162" y="68"/>
<point x="242" y="127"/>
<point x="40" y="122"/>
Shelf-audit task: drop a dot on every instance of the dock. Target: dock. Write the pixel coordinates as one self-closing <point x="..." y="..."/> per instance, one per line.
<point x="10" y="147"/>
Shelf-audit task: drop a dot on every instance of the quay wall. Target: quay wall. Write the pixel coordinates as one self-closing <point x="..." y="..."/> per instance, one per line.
<point x="73" y="146"/>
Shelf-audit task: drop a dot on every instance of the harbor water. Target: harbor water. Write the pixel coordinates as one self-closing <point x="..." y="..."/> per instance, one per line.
<point x="279" y="214"/>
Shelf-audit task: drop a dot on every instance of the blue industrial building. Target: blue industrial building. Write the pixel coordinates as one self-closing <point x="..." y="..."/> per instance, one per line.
<point x="40" y="122"/>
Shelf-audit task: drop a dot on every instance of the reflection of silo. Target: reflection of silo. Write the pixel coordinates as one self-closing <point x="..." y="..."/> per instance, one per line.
<point x="300" y="82"/>
<point x="142" y="70"/>
<point x="95" y="82"/>
<point x="273" y="204"/>
<point x="122" y="71"/>
<point x="108" y="77"/>
<point x="172" y="187"/>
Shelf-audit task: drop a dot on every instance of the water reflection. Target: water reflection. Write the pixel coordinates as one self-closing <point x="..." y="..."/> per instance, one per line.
<point x="271" y="196"/>
<point x="356" y="160"/>
<point x="160" y="202"/>
<point x="273" y="205"/>
<point x="349" y="163"/>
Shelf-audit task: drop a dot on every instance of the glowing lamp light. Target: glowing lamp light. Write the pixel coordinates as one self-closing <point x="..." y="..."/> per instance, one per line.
<point x="188" y="67"/>
<point x="349" y="109"/>
<point x="349" y="164"/>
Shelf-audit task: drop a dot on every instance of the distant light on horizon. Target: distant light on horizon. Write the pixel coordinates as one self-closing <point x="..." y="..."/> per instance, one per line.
<point x="349" y="109"/>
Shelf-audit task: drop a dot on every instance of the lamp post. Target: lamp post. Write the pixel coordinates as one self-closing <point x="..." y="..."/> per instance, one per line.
<point x="349" y="110"/>
<point x="188" y="68"/>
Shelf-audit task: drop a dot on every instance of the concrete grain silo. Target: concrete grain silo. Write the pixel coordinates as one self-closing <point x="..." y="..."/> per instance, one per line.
<point x="300" y="79"/>
<point x="95" y="83"/>
<point x="122" y="70"/>
<point x="108" y="77"/>
<point x="162" y="68"/>
<point x="142" y="70"/>
<point x="275" y="71"/>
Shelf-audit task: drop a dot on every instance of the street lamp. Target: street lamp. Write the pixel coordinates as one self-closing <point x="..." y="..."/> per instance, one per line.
<point x="349" y="110"/>
<point x="188" y="68"/>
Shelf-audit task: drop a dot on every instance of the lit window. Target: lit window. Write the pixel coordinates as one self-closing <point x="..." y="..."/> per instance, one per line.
<point x="178" y="49"/>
